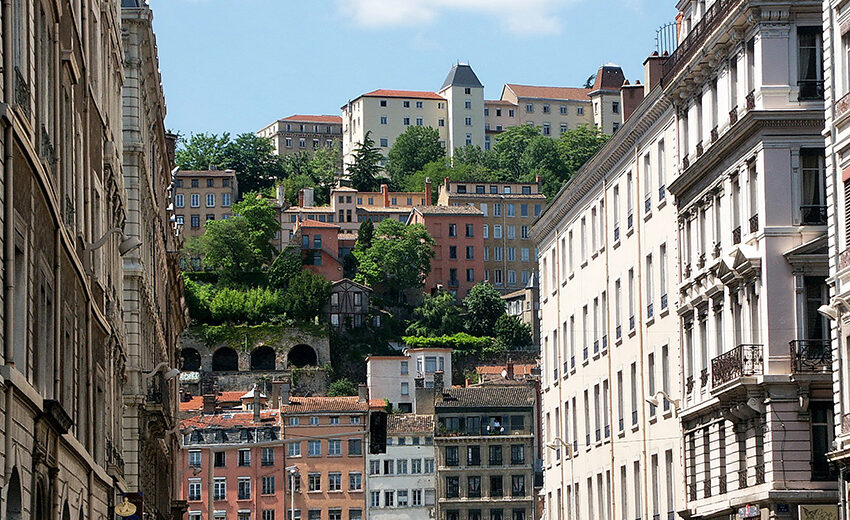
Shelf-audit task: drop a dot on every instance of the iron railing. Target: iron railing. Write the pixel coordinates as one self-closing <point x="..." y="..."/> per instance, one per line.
<point x="703" y="377"/>
<point x="733" y="116"/>
<point x="743" y="360"/>
<point x="742" y="478"/>
<point x="700" y="149"/>
<point x="689" y="384"/>
<point x="810" y="89"/>
<point x="22" y="92"/>
<point x="813" y="214"/>
<point x="754" y="223"/>
<point x="811" y="356"/>
<point x="751" y="100"/>
<point x="760" y="474"/>
<point x="714" y="134"/>
<point x="736" y="235"/>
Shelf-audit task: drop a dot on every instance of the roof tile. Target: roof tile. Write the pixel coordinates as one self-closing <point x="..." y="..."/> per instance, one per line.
<point x="531" y="91"/>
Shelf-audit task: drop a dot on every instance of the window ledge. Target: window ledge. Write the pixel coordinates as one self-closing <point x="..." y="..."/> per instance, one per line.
<point x="584" y="264"/>
<point x="621" y="433"/>
<point x="650" y="321"/>
<point x="647" y="215"/>
<point x="616" y="244"/>
<point x="653" y="419"/>
<point x="664" y="312"/>
<point x="662" y="203"/>
<point x="585" y="362"/>
<point x="635" y="427"/>
<point x="572" y="274"/>
<point x="630" y="231"/>
<point x="632" y="332"/>
<point x="618" y="341"/>
<point x="668" y="414"/>
<point x="594" y="255"/>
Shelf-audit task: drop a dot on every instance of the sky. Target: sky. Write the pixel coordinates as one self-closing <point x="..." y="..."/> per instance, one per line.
<point x="238" y="65"/>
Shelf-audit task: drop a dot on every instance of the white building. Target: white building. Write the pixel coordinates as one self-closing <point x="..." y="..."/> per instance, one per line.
<point x="401" y="483"/>
<point x="392" y="377"/>
<point x="607" y="331"/>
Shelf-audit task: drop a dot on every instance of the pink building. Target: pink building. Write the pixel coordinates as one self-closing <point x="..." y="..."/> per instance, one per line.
<point x="458" y="233"/>
<point x="232" y="466"/>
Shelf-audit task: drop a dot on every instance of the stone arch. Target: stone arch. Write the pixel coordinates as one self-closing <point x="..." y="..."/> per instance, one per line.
<point x="263" y="358"/>
<point x="14" y="507"/>
<point x="225" y="359"/>
<point x="301" y="356"/>
<point x="66" y="512"/>
<point x="191" y="360"/>
<point x="41" y="509"/>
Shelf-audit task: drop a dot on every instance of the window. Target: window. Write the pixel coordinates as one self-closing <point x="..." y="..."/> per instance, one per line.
<point x="383" y="102"/>
<point x="375" y="498"/>
<point x="453" y="252"/>
<point x="180" y="200"/>
<point x="473" y="453"/>
<point x="268" y="485"/>
<point x="429" y="463"/>
<point x="195" y="458"/>
<point x="219" y="459"/>
<point x="314" y="514"/>
<point x="333" y="419"/>
<point x="314" y="448"/>
<point x="384" y="142"/>
<point x="822" y="433"/>
<point x="195" y="200"/>
<point x="406" y="121"/>
<point x="810" y="62"/>
<point x="452" y="230"/>
<point x="374" y="467"/>
<point x="470" y="275"/>
<point x="219" y="488"/>
<point x="194" y="489"/>
<point x="294" y="449"/>
<point x="452" y="458"/>
<point x="497" y="231"/>
<point x="389" y="465"/>
<point x="355" y="514"/>
<point x="389" y="498"/>
<point x="418" y="121"/>
<point x="518" y="485"/>
<point x="225" y="200"/>
<point x="517" y="454"/>
<point x="335" y="514"/>
<point x="470" y="230"/>
<point x="314" y="482"/>
<point x="649" y="288"/>
<point x="334" y="447"/>
<point x="334" y="481"/>
<point x="452" y="487"/>
<point x="355" y="481"/>
<point x="355" y="446"/>
<point x="244" y="457"/>
<point x="813" y="192"/>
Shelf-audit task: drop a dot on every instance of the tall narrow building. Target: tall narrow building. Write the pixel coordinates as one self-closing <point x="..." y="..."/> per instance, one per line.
<point x="464" y="94"/>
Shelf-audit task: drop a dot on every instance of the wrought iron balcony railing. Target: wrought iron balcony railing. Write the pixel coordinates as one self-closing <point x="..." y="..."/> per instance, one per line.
<point x="700" y="149"/>
<point x="703" y="377"/>
<point x="743" y="360"/>
<point x="689" y="384"/>
<point x="22" y="92"/>
<point x="714" y="134"/>
<point x="754" y="223"/>
<point x="811" y="214"/>
<point x="733" y="116"/>
<point x="811" y="356"/>
<point x="810" y="89"/>
<point x="736" y="235"/>
<point x="751" y="100"/>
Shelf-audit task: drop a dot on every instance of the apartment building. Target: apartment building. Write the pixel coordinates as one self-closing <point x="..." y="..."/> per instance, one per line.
<point x="231" y="466"/>
<point x="751" y="210"/>
<point x="837" y="181"/>
<point x="401" y="483"/>
<point x="725" y="166"/>
<point x="348" y="208"/>
<point x="319" y="247"/>
<point x="525" y="304"/>
<point x="71" y="206"/>
<point x="486" y="453"/>
<point x="508" y="208"/>
<point x="607" y="330"/>
<point x="394" y="377"/>
<point x="349" y="305"/>
<point x="153" y="312"/>
<point x="304" y="134"/>
<point x="325" y="459"/>
<point x="458" y="262"/>
<point x="199" y="196"/>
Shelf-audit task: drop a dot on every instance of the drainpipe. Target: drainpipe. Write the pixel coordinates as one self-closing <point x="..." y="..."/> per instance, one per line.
<point x="9" y="233"/>
<point x="638" y="292"/>
<point x="604" y="230"/>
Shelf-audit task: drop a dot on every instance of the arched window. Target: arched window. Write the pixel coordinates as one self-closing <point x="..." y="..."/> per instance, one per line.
<point x="302" y="356"/>
<point x="13" y="497"/>
<point x="263" y="358"/>
<point x="225" y="359"/>
<point x="191" y="360"/>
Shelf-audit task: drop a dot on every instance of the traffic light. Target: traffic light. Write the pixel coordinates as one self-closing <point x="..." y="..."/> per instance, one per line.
<point x="377" y="432"/>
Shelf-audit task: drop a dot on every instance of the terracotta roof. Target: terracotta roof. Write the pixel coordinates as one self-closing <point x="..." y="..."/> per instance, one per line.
<point x="519" y="370"/>
<point x="314" y="119"/>
<point x="487" y="396"/>
<point x="197" y="401"/>
<point x="307" y="209"/>
<point x="499" y="102"/>
<point x="231" y="420"/>
<point x="531" y="91"/>
<point x="609" y="77"/>
<point x="448" y="210"/>
<point x="410" y="423"/>
<point x="324" y="404"/>
<point x="404" y="94"/>
<point x="316" y="224"/>
<point x="494" y="196"/>
<point x="206" y="173"/>
<point x="380" y="209"/>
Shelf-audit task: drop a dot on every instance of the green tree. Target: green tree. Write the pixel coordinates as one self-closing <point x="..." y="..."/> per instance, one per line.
<point x="484" y="305"/>
<point x="578" y="145"/>
<point x="286" y="266"/>
<point x="512" y="333"/>
<point x="412" y="150"/>
<point x="202" y="151"/>
<point x="365" y="234"/>
<point x="439" y="315"/>
<point x="342" y="387"/>
<point x="366" y="166"/>
<point x="253" y="158"/>
<point x="306" y="295"/>
<point x="510" y="147"/>
<point x="260" y="216"/>
<point x="398" y="259"/>
<point x="324" y="168"/>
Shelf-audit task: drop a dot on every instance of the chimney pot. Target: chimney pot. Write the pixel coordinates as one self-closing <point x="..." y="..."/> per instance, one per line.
<point x="438" y="382"/>
<point x="385" y="192"/>
<point x="362" y="393"/>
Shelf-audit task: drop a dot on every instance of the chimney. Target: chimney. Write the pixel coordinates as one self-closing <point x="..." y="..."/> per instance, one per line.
<point x="427" y="191"/>
<point x="509" y="370"/>
<point x="385" y="192"/>
<point x="256" y="406"/>
<point x="423" y="398"/>
<point x="362" y="393"/>
<point x="209" y="404"/>
<point x="170" y="147"/>
<point x="630" y="98"/>
<point x="285" y="390"/>
<point x="280" y="195"/>
<point x="301" y="198"/>
<point x="308" y="197"/>
<point x="539" y="181"/>
<point x="652" y="70"/>
<point x="275" y="396"/>
<point x="438" y="382"/>
<point x="419" y="382"/>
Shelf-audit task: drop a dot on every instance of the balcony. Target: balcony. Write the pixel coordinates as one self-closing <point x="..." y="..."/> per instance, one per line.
<point x="700" y="149"/>
<point x="754" y="223"/>
<point x="751" y="100"/>
<point x="736" y="236"/>
<point x="810" y="90"/>
<point x="742" y="361"/>
<point x="812" y="215"/>
<point x="695" y="40"/>
<point x="718" y="247"/>
<point x="714" y="134"/>
<point x="689" y="384"/>
<point x="811" y="356"/>
<point x="733" y="116"/>
<point x="22" y="92"/>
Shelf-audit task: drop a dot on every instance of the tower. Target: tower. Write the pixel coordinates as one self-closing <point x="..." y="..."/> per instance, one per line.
<point x="464" y="95"/>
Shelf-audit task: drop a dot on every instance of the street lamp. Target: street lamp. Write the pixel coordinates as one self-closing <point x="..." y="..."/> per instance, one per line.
<point x="654" y="400"/>
<point x="293" y="471"/>
<point x="127" y="243"/>
<point x="556" y="444"/>
<point x="835" y="307"/>
<point x="170" y="373"/>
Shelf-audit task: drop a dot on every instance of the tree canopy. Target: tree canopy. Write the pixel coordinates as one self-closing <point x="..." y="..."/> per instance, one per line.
<point x="364" y="169"/>
<point x="438" y="315"/>
<point x="484" y="306"/>
<point x="399" y="257"/>
<point x="412" y="150"/>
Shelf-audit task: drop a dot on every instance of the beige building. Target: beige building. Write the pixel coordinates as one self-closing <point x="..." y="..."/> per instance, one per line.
<point x="199" y="196"/>
<point x="74" y="373"/>
<point x="304" y="133"/>
<point x="154" y="309"/>
<point x="525" y="304"/>
<point x="509" y="208"/>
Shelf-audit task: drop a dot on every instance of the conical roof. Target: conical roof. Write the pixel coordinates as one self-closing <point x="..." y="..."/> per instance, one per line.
<point x="461" y="75"/>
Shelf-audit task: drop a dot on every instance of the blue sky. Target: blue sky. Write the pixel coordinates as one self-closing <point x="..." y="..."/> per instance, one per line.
<point x="237" y="65"/>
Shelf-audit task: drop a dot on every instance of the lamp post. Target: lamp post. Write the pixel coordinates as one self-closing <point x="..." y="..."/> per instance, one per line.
<point x="293" y="470"/>
<point x="556" y="444"/>
<point x="653" y="400"/>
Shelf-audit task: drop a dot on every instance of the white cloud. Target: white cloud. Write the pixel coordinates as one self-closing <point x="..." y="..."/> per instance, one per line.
<point x="528" y="17"/>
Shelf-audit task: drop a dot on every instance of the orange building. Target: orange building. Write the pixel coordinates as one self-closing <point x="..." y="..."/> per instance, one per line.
<point x="458" y="235"/>
<point x="319" y="243"/>
<point x="325" y="456"/>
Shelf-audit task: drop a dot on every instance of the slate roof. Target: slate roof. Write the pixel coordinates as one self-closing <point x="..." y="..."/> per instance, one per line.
<point x="461" y="75"/>
<point x="486" y="396"/>
<point x="566" y="93"/>
<point x="410" y="423"/>
<point x="609" y="77"/>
